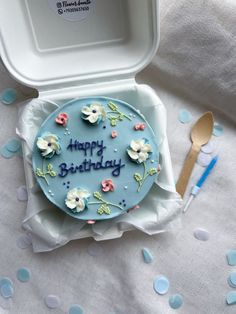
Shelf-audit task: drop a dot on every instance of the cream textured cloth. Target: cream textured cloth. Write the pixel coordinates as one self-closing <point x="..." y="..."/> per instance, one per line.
<point x="195" y="69"/>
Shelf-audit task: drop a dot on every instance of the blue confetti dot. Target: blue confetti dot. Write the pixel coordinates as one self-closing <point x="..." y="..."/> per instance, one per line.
<point x="161" y="285"/>
<point x="13" y="145"/>
<point x="232" y="279"/>
<point x="175" y="301"/>
<point x="76" y="309"/>
<point x="217" y="130"/>
<point x="230" y="283"/>
<point x="6" y="153"/>
<point x="185" y="116"/>
<point x="6" y="281"/>
<point x="231" y="257"/>
<point x="231" y="297"/>
<point x="23" y="274"/>
<point x="147" y="256"/>
<point x="6" y="291"/>
<point x="8" y="96"/>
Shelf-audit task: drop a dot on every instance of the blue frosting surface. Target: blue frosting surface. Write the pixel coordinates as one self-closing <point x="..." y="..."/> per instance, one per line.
<point x="86" y="155"/>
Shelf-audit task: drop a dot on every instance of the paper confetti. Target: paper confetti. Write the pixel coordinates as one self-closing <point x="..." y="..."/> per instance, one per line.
<point x="231" y="257"/>
<point x="6" y="291"/>
<point x="185" y="116"/>
<point x="201" y="234"/>
<point x="161" y="285"/>
<point x="13" y="145"/>
<point x="218" y="130"/>
<point x="23" y="274"/>
<point x="208" y="148"/>
<point x="147" y="256"/>
<point x="95" y="249"/>
<point x="11" y="148"/>
<point x="6" y="287"/>
<point x="6" y="153"/>
<point x="232" y="280"/>
<point x="76" y="309"/>
<point x="204" y="159"/>
<point x="22" y="194"/>
<point x="8" y="96"/>
<point x="24" y="241"/>
<point x="6" y="280"/>
<point x="231" y="297"/>
<point x="175" y="301"/>
<point x="52" y="301"/>
<point x="6" y="304"/>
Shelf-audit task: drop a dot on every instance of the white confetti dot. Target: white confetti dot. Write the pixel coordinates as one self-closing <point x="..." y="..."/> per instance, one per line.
<point x="95" y="249"/>
<point x="22" y="194"/>
<point x="208" y="148"/>
<point x="201" y="234"/>
<point x="6" y="304"/>
<point x="203" y="159"/>
<point x="24" y="241"/>
<point x="52" y="301"/>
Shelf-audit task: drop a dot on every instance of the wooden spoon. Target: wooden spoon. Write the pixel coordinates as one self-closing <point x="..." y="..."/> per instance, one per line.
<point x="200" y="135"/>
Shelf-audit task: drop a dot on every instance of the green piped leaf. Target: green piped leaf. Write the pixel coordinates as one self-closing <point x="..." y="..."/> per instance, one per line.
<point x="97" y="195"/>
<point x="138" y="177"/>
<point x="113" y="121"/>
<point x="100" y="210"/>
<point x="112" y="106"/>
<point x="53" y="173"/>
<point x="104" y="209"/>
<point x="49" y="167"/>
<point x="39" y="172"/>
<point x="152" y="171"/>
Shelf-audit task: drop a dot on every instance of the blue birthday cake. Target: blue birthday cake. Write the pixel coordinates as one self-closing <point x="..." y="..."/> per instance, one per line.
<point x="95" y="158"/>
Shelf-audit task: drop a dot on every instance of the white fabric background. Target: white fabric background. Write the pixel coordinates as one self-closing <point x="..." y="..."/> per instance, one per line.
<point x="195" y="68"/>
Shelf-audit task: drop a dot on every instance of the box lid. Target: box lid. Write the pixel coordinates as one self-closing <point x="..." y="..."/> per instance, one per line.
<point x="51" y="43"/>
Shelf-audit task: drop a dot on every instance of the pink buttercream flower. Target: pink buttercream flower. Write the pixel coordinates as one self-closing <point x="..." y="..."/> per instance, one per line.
<point x="114" y="134"/>
<point x="62" y="119"/>
<point x="139" y="127"/>
<point x="107" y="185"/>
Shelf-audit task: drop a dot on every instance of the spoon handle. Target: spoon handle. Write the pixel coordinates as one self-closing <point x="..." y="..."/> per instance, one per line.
<point x="187" y="169"/>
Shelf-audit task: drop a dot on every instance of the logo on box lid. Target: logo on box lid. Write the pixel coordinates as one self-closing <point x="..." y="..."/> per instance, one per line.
<point x="72" y="10"/>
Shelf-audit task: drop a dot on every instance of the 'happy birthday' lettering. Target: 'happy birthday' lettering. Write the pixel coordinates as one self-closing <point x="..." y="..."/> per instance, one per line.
<point x="87" y="147"/>
<point x="87" y="165"/>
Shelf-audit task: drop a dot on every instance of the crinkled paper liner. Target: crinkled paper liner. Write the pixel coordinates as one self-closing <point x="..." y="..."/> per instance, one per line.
<point x="51" y="228"/>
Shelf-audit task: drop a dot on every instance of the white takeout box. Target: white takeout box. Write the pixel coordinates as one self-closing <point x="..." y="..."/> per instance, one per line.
<point x="69" y="49"/>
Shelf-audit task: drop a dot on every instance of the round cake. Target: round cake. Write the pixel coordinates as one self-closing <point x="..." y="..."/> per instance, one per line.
<point x="95" y="158"/>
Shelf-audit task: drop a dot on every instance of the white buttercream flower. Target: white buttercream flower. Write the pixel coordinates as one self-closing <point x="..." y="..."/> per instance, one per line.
<point x="95" y="113"/>
<point x="139" y="150"/>
<point x="49" y="145"/>
<point x="77" y="200"/>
